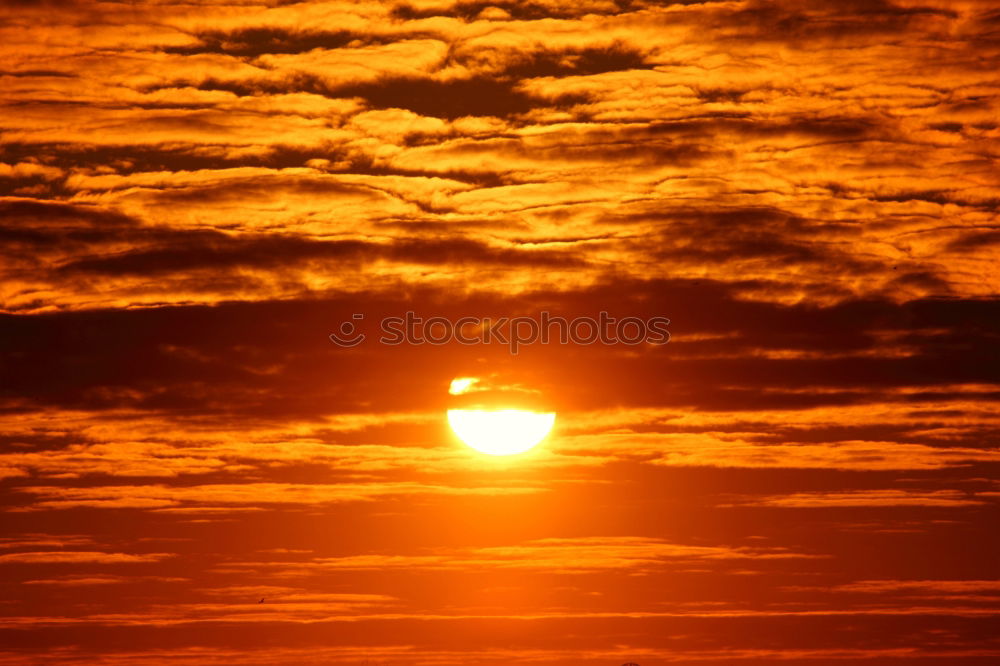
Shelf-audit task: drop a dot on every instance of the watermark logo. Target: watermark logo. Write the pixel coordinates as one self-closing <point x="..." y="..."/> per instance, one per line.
<point x="349" y="336"/>
<point x="514" y="332"/>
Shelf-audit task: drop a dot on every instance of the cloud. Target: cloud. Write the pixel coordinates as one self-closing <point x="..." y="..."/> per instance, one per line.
<point x="866" y="498"/>
<point x="193" y="196"/>
<point x="41" y="540"/>
<point x="730" y="450"/>
<point x="581" y="555"/>
<point x="88" y="581"/>
<point x="923" y="588"/>
<point x="222" y="497"/>
<point x="406" y="654"/>
<point x="79" y="557"/>
<point x="218" y="251"/>
<point x="258" y="41"/>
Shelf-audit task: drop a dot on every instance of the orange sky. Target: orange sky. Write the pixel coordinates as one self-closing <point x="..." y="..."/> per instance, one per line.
<point x="193" y="196"/>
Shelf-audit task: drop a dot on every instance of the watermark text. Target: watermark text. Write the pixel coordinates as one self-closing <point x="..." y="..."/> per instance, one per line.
<point x="514" y="332"/>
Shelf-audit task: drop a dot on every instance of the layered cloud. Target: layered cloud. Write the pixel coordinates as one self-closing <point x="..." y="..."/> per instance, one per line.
<point x="193" y="197"/>
<point x="588" y="132"/>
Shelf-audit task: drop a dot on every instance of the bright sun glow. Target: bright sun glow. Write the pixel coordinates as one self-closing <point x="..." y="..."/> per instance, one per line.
<point x="461" y="385"/>
<point x="500" y="432"/>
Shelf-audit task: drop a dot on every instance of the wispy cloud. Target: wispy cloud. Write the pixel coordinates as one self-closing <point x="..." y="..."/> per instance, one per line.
<point x="244" y="495"/>
<point x="632" y="555"/>
<point x="79" y="556"/>
<point x="867" y="498"/>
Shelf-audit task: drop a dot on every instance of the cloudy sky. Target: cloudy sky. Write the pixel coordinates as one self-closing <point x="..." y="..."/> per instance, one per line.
<point x="194" y="196"/>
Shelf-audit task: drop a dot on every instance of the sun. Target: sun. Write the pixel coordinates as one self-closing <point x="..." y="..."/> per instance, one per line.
<point x="501" y="432"/>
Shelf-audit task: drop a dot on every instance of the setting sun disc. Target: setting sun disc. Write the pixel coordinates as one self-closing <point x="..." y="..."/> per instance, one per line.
<point x="500" y="432"/>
